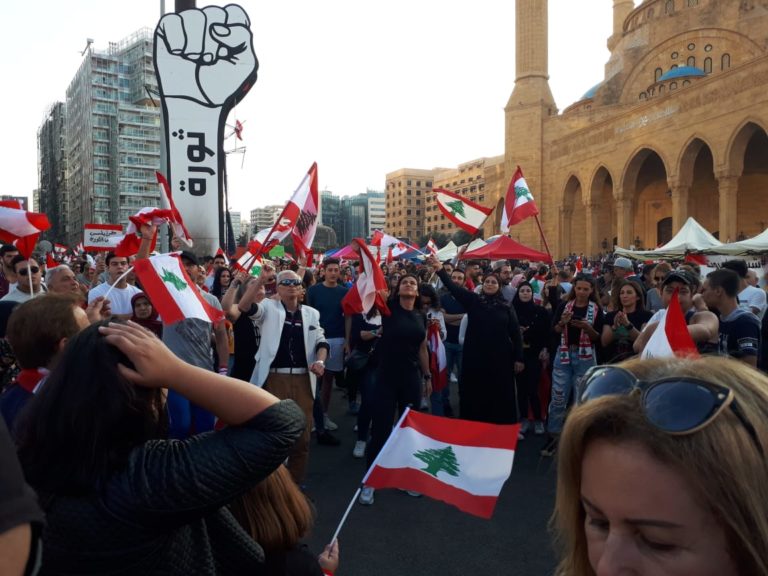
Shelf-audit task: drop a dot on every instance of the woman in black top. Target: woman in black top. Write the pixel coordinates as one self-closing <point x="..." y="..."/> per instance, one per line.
<point x="623" y="326"/>
<point x="118" y="497"/>
<point x="402" y="367"/>
<point x="493" y="351"/>
<point x="534" y="325"/>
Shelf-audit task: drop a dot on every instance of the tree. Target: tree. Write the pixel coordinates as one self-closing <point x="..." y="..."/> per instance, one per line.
<point x="440" y="238"/>
<point x="439" y="460"/>
<point x="461" y="237"/>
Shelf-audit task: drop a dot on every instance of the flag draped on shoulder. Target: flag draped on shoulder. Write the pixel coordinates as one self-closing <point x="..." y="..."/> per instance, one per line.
<point x="460" y="462"/>
<point x="21" y="228"/>
<point x="171" y="291"/>
<point x="466" y="214"/>
<point x="364" y="293"/>
<point x="519" y="203"/>
<point x="438" y="364"/>
<point x="671" y="337"/>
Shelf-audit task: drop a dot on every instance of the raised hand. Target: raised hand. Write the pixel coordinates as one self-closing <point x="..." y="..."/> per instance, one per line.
<point x="193" y="47"/>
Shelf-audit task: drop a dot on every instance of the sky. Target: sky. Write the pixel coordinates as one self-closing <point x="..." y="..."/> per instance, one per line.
<point x="363" y="88"/>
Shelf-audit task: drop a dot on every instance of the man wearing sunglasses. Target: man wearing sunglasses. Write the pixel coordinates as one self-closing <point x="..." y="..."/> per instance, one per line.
<point x="291" y="354"/>
<point x="24" y="268"/>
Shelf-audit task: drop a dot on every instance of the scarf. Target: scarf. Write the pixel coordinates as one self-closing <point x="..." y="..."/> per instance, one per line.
<point x="30" y="378"/>
<point x="586" y="350"/>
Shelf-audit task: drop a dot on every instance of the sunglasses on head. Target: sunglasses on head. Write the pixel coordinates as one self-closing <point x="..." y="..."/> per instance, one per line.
<point x="676" y="405"/>
<point x="25" y="271"/>
<point x="290" y="282"/>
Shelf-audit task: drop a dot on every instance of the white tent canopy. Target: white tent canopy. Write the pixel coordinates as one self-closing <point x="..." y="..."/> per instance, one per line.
<point x="751" y="246"/>
<point x="692" y="237"/>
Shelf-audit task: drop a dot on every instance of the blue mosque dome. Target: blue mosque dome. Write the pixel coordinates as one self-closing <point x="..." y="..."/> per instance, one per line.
<point x="592" y="91"/>
<point x="682" y="72"/>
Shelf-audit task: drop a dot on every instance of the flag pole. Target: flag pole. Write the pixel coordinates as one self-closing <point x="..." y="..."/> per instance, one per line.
<point x="368" y="473"/>
<point x="544" y="238"/>
<point x="116" y="282"/>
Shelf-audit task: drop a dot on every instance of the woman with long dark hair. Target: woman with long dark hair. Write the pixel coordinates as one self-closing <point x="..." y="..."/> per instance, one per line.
<point x="493" y="351"/>
<point x="402" y="367"/>
<point x="221" y="281"/>
<point x="624" y="324"/>
<point x="534" y="326"/>
<point x="119" y="497"/>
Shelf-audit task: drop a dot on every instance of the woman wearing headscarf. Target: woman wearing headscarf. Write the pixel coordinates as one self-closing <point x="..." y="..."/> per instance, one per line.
<point x="144" y="314"/>
<point x="534" y="326"/>
<point x="493" y="351"/>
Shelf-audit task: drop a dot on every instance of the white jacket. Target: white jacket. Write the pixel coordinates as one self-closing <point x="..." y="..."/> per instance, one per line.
<point x="270" y="318"/>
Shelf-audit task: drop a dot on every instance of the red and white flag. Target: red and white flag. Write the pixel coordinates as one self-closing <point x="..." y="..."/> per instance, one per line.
<point x="60" y="248"/>
<point x="174" y="216"/>
<point x="21" y="228"/>
<point x="50" y="262"/>
<point x="171" y="291"/>
<point x="671" y="337"/>
<point x="249" y="264"/>
<point x="431" y="247"/>
<point x="579" y="265"/>
<point x="460" y="462"/>
<point x="395" y="245"/>
<point x="80" y="248"/>
<point x="306" y="224"/>
<point x="519" y="203"/>
<point x="438" y="363"/>
<point x="467" y="215"/>
<point x="239" y="129"/>
<point x="364" y="293"/>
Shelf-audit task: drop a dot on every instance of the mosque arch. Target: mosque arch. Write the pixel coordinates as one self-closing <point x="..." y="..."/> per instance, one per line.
<point x="573" y="218"/>
<point x="747" y="162"/>
<point x="602" y="208"/>
<point x="645" y="201"/>
<point x="698" y="194"/>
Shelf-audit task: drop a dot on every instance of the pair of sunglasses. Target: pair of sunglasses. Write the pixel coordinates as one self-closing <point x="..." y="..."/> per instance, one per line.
<point x="677" y="405"/>
<point x="25" y="271"/>
<point x="290" y="282"/>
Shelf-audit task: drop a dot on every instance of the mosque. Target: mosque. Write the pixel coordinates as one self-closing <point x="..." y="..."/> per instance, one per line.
<point x="677" y="128"/>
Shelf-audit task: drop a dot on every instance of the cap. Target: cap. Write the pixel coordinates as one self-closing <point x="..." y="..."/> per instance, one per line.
<point x="681" y="276"/>
<point x="622" y="262"/>
<point x="187" y="255"/>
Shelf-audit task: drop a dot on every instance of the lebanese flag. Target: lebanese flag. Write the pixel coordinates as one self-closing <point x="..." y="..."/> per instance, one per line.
<point x="461" y="462"/>
<point x="671" y="337"/>
<point x="306" y="225"/>
<point x="466" y="214"/>
<point x="130" y="243"/>
<point x="60" y="248"/>
<point x="364" y="293"/>
<point x="395" y="245"/>
<point x="431" y="247"/>
<point x="579" y="265"/>
<point x="518" y="204"/>
<point x="239" y="129"/>
<point x="438" y="364"/>
<point x="174" y="216"/>
<point x="249" y="264"/>
<point x="257" y="246"/>
<point x="21" y="228"/>
<point x="171" y="291"/>
<point x="50" y="262"/>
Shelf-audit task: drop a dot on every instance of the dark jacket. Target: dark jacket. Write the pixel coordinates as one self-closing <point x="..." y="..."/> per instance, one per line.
<point x="164" y="513"/>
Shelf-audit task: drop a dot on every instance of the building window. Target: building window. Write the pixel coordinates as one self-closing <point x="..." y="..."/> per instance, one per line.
<point x="661" y="89"/>
<point x="708" y="48"/>
<point x="725" y="62"/>
<point x="708" y="65"/>
<point x="673" y="85"/>
<point x="691" y="46"/>
<point x="692" y="61"/>
<point x="409" y="182"/>
<point x="670" y="6"/>
<point x="481" y="198"/>
<point x="418" y="212"/>
<point x="408" y="212"/>
<point x="429" y="184"/>
<point x="674" y="55"/>
<point x="408" y="223"/>
<point x="642" y="96"/>
<point x="657" y="74"/>
<point x="418" y="192"/>
<point x="686" y="82"/>
<point x="418" y="182"/>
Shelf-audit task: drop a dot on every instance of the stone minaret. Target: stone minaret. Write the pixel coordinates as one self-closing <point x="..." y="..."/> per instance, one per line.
<point x="530" y="104"/>
<point x="621" y="9"/>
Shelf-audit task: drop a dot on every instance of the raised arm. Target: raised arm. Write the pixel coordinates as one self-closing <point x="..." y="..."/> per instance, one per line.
<point x="462" y="295"/>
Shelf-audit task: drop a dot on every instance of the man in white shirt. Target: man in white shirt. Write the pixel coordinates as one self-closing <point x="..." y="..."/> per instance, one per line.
<point x="750" y="297"/>
<point x="121" y="293"/>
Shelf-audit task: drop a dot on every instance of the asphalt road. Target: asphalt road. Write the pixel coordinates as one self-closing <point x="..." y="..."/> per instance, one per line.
<point x="400" y="535"/>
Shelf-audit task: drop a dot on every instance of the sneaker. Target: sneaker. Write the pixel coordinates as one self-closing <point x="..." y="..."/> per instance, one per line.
<point x="366" y="496"/>
<point x="538" y="428"/>
<point x="359" y="450"/>
<point x="525" y="426"/>
<point x="330" y="424"/>
<point x="327" y="439"/>
<point x="550" y="447"/>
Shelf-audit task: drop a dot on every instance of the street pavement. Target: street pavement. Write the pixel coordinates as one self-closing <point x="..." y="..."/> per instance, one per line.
<point x="400" y="535"/>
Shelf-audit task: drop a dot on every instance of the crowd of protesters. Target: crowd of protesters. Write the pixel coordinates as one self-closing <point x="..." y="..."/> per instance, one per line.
<point x="176" y="466"/>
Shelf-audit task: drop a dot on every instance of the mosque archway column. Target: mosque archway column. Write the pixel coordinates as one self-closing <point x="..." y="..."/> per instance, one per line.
<point x="728" y="187"/>
<point x="680" y="195"/>
<point x="593" y="232"/>
<point x="625" y="215"/>
<point x="566" y="213"/>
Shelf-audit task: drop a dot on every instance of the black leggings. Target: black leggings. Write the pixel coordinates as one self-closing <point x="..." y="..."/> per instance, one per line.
<point x="390" y="394"/>
<point x="528" y="387"/>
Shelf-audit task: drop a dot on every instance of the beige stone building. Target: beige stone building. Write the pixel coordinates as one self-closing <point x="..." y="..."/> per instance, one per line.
<point x="404" y="195"/>
<point x="677" y="128"/>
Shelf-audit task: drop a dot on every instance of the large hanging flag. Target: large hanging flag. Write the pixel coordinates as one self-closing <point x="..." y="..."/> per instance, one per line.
<point x="518" y="204"/>
<point x="671" y="337"/>
<point x="460" y="462"/>
<point x="21" y="228"/>
<point x="467" y="215"/>
<point x="438" y="362"/>
<point x="171" y="291"/>
<point x="306" y="224"/>
<point x="364" y="293"/>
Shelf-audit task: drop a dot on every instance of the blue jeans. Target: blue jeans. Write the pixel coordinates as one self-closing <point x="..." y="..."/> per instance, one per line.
<point x="565" y="380"/>
<point x="185" y="418"/>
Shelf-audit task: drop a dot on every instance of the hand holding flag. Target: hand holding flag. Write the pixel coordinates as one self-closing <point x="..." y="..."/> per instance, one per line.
<point x="671" y="336"/>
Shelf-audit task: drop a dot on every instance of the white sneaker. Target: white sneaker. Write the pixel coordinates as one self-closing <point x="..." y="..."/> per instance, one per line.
<point x="329" y="424"/>
<point x="359" y="450"/>
<point x="366" y="496"/>
<point x="538" y="428"/>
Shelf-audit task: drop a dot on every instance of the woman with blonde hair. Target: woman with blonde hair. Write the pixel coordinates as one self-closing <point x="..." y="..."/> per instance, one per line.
<point x="277" y="515"/>
<point x="663" y="473"/>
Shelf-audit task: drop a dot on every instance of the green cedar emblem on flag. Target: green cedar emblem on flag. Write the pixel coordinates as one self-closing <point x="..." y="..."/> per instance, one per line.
<point x="439" y="460"/>
<point x="522" y="192"/>
<point x="173" y="279"/>
<point x="457" y="207"/>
